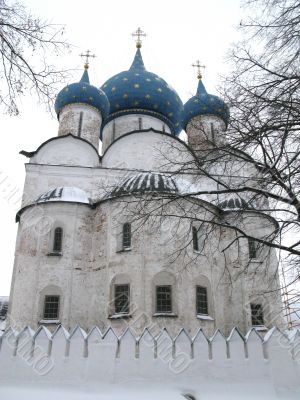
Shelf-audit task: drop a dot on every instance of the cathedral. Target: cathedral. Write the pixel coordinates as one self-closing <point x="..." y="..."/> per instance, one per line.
<point x="131" y="276"/>
<point x="121" y="238"/>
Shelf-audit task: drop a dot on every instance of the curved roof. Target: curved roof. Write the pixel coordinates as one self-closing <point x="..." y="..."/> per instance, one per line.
<point x="235" y="204"/>
<point x="145" y="182"/>
<point x="140" y="91"/>
<point x="64" y="193"/>
<point x="204" y="103"/>
<point x="82" y="92"/>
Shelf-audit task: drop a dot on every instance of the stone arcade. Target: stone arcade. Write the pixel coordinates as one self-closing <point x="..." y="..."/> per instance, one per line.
<point x="84" y="258"/>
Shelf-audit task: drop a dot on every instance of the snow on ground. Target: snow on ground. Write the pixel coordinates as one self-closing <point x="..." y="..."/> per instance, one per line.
<point x="148" y="392"/>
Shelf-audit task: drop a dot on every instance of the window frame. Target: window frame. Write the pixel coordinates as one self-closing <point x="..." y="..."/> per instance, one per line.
<point x="57" y="249"/>
<point x="127" y="310"/>
<point x="252" y="249"/>
<point x="259" y="316"/>
<point x="161" y="310"/>
<point x="206" y="300"/>
<point x="126" y="236"/>
<point x="47" y="296"/>
<point x="195" y="239"/>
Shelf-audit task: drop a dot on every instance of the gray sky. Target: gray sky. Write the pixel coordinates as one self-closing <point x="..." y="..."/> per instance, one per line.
<point x="178" y="33"/>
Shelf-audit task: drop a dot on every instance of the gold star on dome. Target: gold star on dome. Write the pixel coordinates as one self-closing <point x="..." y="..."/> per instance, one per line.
<point x="198" y="66"/>
<point x="138" y="34"/>
<point x="136" y="85"/>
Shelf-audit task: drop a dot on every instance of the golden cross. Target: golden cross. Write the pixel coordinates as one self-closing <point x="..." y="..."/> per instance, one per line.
<point x="138" y="34"/>
<point x="198" y="66"/>
<point x="87" y="55"/>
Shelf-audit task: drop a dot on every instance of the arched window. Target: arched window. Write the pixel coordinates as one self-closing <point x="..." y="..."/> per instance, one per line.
<point x="126" y="235"/>
<point x="51" y="307"/>
<point x="57" y="240"/>
<point x="164" y="299"/>
<point x="122" y="299"/>
<point x="252" y="248"/>
<point x="257" y="314"/>
<point x="201" y="300"/>
<point x="195" y="239"/>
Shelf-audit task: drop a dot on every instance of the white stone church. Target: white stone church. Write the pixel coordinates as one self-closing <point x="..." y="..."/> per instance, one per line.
<point x="79" y="257"/>
<point x="121" y="238"/>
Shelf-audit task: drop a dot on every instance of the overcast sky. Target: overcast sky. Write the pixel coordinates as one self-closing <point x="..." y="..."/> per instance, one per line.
<point x="178" y="33"/>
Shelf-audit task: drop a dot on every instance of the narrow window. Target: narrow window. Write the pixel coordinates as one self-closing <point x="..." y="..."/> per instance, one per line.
<point x="57" y="241"/>
<point x="51" y="307"/>
<point x="114" y="130"/>
<point x="212" y="132"/>
<point x="257" y="314"/>
<point x="201" y="300"/>
<point x="140" y="123"/>
<point x="164" y="299"/>
<point x="126" y="236"/>
<point x="195" y="239"/>
<point x="252" y="248"/>
<point x="80" y="123"/>
<point x="121" y="299"/>
<point x="3" y="310"/>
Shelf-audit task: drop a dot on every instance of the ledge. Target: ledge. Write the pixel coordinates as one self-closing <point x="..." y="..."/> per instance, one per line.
<point x="260" y="328"/>
<point x="54" y="254"/>
<point x="50" y="321"/>
<point x="124" y="249"/>
<point x="119" y="316"/>
<point x="168" y="315"/>
<point x="205" y="317"/>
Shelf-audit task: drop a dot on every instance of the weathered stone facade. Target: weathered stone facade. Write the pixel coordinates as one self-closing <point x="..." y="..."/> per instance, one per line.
<point x="92" y="260"/>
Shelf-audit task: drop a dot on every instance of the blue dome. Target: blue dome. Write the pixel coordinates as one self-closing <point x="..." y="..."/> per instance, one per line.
<point x="142" y="92"/>
<point x="204" y="103"/>
<point x="82" y="92"/>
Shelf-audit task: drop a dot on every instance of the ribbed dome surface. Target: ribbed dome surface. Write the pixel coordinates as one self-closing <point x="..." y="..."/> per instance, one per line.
<point x="236" y="203"/>
<point x="64" y="193"/>
<point x="82" y="92"/>
<point x="204" y="103"/>
<point x="145" y="182"/>
<point x="140" y="91"/>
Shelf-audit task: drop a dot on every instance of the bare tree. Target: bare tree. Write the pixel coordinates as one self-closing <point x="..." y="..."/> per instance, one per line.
<point x="26" y="43"/>
<point x="256" y="161"/>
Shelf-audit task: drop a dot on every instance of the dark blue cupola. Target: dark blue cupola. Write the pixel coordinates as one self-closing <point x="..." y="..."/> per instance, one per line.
<point x="204" y="103"/>
<point x="141" y="92"/>
<point x="83" y="92"/>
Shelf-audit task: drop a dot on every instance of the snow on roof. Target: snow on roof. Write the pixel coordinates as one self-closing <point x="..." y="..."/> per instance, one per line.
<point x="4" y="299"/>
<point x="64" y="193"/>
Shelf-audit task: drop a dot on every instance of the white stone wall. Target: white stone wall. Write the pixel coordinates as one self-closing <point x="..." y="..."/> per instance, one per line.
<point x="80" y="365"/>
<point x="81" y="120"/>
<point x="205" y="131"/>
<point x="92" y="260"/>
<point x="119" y="126"/>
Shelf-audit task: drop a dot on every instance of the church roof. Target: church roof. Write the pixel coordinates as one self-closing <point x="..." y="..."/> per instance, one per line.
<point x="204" y="103"/>
<point x="145" y="182"/>
<point x="82" y="92"/>
<point x="235" y="204"/>
<point x="140" y="91"/>
<point x="64" y="193"/>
